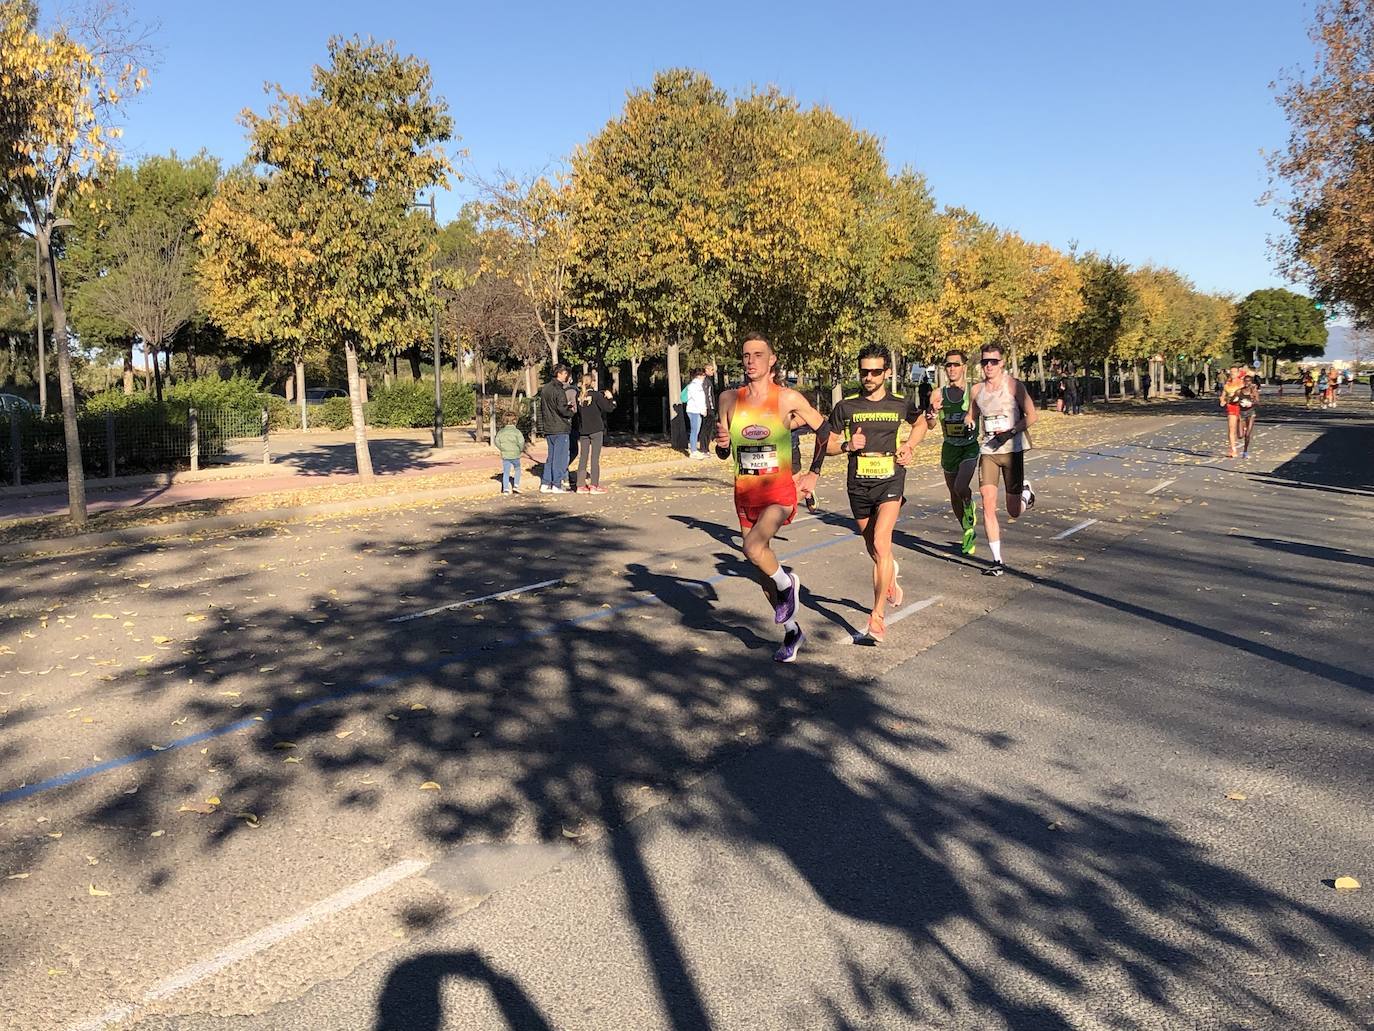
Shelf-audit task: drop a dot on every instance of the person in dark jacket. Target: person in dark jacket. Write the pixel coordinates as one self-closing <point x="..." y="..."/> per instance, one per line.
<point x="592" y="408"/>
<point x="555" y="415"/>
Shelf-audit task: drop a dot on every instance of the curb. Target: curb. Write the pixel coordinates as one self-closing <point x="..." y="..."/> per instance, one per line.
<point x="277" y="516"/>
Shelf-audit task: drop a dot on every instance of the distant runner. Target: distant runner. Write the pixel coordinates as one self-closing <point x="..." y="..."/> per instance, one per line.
<point x="1006" y="411"/>
<point x="1229" y="399"/>
<point x="959" y="452"/>
<point x="869" y="422"/>
<point x="754" y="429"/>
<point x="1249" y="408"/>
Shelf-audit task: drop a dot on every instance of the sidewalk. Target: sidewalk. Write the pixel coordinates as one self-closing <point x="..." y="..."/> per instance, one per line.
<point x="300" y="461"/>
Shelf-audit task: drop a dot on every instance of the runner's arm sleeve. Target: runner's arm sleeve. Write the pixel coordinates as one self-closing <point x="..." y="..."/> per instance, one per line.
<point x="822" y="443"/>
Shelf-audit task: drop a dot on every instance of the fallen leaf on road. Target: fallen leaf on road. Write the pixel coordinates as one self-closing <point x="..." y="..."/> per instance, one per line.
<point x="284" y="745"/>
<point x="249" y="818"/>
<point x="573" y="833"/>
<point x="417" y="706"/>
<point x="157" y="834"/>
<point x="197" y="807"/>
<point x="103" y="615"/>
<point x="291" y="759"/>
<point x="429" y="785"/>
<point x="54" y="834"/>
<point x="213" y="800"/>
<point x="99" y="893"/>
<point x="162" y="640"/>
<point x="1236" y="796"/>
<point x="1346" y="884"/>
<point x="195" y="619"/>
<point x="17" y="877"/>
<point x="343" y="733"/>
<point x="266" y="669"/>
<point x="392" y="716"/>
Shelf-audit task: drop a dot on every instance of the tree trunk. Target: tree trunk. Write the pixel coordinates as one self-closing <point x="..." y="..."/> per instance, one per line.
<point x="1040" y="373"/>
<point x="355" y="402"/>
<point x="300" y="392"/>
<point x="1106" y="379"/>
<point x="157" y="372"/>
<point x="1135" y="379"/>
<point x="414" y="355"/>
<point x="76" y="476"/>
<point x="674" y="374"/>
<point x="190" y="360"/>
<point x="38" y="274"/>
<point x="129" y="368"/>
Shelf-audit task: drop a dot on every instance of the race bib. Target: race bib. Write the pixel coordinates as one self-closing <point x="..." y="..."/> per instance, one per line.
<point x="757" y="460"/>
<point x="875" y="467"/>
<point x="996" y="423"/>
<point x="956" y="427"/>
<point x="1245" y="402"/>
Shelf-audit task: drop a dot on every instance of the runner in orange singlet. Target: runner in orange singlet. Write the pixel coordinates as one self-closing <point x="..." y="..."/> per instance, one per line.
<point x="755" y="428"/>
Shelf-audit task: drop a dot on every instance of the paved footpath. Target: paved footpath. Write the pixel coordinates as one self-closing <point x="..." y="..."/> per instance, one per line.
<point x="532" y="767"/>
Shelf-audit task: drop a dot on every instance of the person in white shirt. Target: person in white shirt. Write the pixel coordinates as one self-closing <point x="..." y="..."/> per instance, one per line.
<point x="696" y="411"/>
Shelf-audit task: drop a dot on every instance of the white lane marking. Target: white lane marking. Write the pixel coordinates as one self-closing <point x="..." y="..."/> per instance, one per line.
<point x="1073" y="529"/>
<point x="256" y="943"/>
<point x="474" y="601"/>
<point x="1160" y="486"/>
<point x="915" y="606"/>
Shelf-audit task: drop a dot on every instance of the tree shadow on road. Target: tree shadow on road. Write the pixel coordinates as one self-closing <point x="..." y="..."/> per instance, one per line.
<point x="574" y="711"/>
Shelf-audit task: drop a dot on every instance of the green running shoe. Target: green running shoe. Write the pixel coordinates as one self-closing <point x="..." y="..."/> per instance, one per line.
<point x="970" y="529"/>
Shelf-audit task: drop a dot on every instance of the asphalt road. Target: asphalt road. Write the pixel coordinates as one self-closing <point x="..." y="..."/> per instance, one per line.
<point x="597" y="804"/>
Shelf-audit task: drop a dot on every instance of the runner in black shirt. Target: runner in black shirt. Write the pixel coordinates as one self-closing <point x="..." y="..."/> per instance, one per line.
<point x="865" y="427"/>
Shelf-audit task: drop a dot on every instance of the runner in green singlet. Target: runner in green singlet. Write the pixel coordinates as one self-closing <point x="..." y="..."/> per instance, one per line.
<point x="959" y="453"/>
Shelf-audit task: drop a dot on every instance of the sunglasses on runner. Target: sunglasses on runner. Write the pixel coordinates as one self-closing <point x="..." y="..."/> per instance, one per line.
<point x="989" y="361"/>
<point x="954" y="365"/>
<point x="872" y="372"/>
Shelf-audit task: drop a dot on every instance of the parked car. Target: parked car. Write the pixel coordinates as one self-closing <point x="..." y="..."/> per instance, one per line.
<point x="319" y="395"/>
<point x="15" y="403"/>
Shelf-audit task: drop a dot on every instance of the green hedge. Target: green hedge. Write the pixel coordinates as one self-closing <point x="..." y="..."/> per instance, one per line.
<point x="410" y="405"/>
<point x="334" y="414"/>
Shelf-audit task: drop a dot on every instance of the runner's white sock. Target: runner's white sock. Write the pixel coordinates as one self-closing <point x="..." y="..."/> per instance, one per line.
<point x="996" y="547"/>
<point x="781" y="578"/>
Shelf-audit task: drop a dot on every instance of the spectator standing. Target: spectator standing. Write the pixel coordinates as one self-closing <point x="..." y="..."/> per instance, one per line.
<point x="923" y="392"/>
<point x="696" y="413"/>
<point x="510" y="442"/>
<point x="592" y="408"/>
<point x="556" y="413"/>
<point x="708" y="425"/>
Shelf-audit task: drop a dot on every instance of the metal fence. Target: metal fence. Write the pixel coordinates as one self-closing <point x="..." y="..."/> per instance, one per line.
<point x="153" y="438"/>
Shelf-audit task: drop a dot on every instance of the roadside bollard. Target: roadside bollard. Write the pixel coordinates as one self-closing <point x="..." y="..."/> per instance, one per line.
<point x="266" y="451"/>
<point x="193" y="421"/>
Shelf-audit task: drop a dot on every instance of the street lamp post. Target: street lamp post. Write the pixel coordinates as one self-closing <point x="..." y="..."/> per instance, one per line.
<point x="438" y="379"/>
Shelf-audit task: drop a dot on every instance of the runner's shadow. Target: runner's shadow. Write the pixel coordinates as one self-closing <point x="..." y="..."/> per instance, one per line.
<point x="717" y="531"/>
<point x="1308" y="550"/>
<point x="930" y="549"/>
<point x="694" y="601"/>
<point x="412" y="999"/>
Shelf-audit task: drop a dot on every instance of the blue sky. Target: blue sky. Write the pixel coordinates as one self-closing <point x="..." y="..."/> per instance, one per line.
<point x="1130" y="127"/>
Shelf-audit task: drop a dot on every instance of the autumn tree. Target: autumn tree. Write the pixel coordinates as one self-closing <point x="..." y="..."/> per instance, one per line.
<point x="1323" y="180"/>
<point x="316" y="241"/>
<point x="1047" y="295"/>
<point x="59" y="91"/>
<point x="1108" y="297"/>
<point x="650" y="217"/>
<point x="535" y="217"/>
<point x="979" y="290"/>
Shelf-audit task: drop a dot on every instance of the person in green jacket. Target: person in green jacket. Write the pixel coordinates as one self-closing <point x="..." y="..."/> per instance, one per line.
<point x="510" y="442"/>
